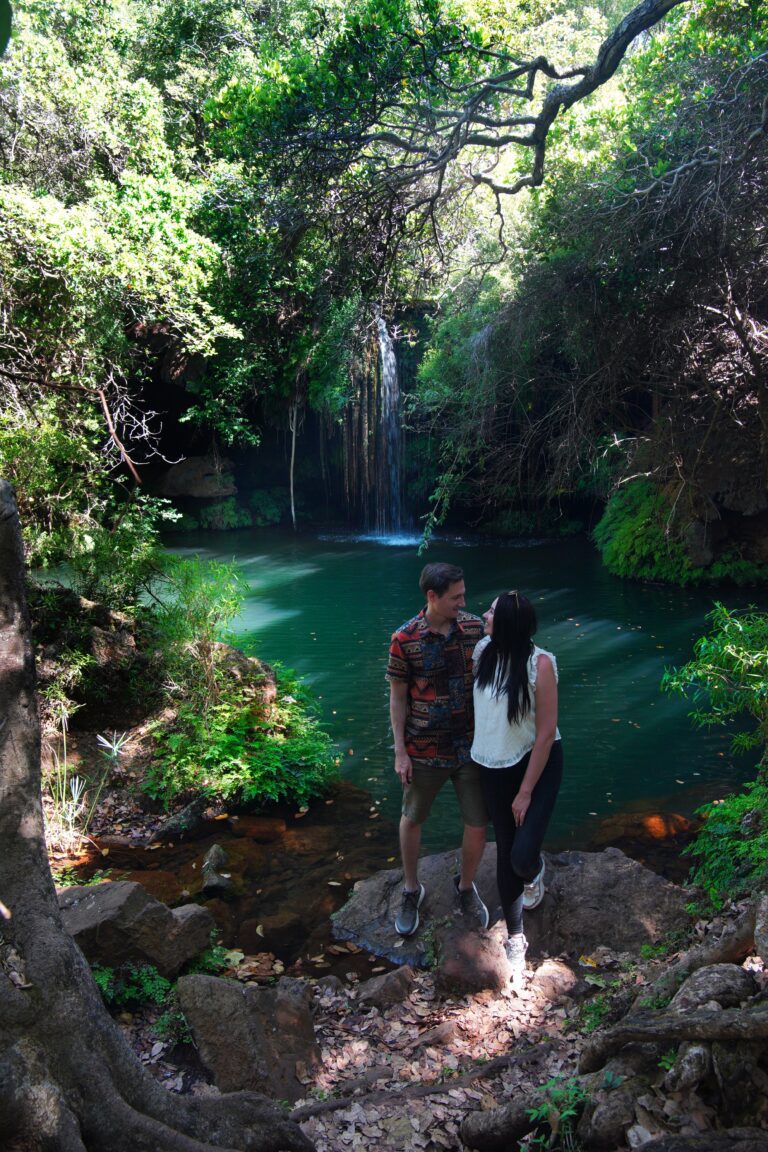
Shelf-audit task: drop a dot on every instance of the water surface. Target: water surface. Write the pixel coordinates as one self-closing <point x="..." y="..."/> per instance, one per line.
<point x="327" y="604"/>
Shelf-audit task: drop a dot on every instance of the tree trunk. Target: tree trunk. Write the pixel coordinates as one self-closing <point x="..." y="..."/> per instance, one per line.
<point x="68" y="1080"/>
<point x="292" y="421"/>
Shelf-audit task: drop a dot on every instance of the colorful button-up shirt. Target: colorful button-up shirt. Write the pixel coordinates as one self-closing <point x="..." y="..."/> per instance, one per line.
<point x="439" y="722"/>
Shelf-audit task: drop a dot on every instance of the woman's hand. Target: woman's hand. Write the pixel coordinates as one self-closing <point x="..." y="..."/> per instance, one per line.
<point x="520" y="806"/>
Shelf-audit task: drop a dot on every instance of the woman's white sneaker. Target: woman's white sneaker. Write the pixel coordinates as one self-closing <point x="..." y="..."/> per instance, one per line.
<point x="533" y="893"/>
<point x="515" y="948"/>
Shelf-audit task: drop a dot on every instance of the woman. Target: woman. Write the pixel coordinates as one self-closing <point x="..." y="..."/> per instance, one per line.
<point x="517" y="744"/>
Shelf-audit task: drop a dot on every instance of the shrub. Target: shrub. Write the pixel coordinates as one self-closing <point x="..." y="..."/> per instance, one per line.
<point x="728" y="676"/>
<point x="633" y="537"/>
<point x="639" y="538"/>
<point x="728" y="680"/>
<point x="731" y="850"/>
<point x="194" y="602"/>
<point x="224" y="515"/>
<point x="131" y="984"/>
<point x="269" y="505"/>
<point x="241" y="749"/>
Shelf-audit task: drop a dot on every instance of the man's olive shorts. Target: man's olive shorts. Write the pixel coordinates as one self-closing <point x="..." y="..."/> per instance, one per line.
<point x="426" y="782"/>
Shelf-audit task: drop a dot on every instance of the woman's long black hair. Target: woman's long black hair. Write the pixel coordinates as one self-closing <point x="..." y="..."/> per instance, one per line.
<point x="503" y="663"/>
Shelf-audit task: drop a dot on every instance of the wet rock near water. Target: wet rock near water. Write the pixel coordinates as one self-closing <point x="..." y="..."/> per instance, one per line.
<point x="216" y="882"/>
<point x="252" y="1039"/>
<point x="577" y="915"/>
<point x="114" y="923"/>
<point x="271" y="906"/>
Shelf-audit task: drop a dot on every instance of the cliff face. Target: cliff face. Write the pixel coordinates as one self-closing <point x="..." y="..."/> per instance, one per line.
<point x="716" y="483"/>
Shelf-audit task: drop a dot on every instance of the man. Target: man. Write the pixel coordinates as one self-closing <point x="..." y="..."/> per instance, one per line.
<point x="430" y="682"/>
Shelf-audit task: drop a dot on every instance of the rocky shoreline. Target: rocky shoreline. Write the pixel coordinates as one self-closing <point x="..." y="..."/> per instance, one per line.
<point x="454" y="1055"/>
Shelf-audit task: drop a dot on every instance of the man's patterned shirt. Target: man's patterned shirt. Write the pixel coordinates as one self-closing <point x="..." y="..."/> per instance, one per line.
<point x="440" y="721"/>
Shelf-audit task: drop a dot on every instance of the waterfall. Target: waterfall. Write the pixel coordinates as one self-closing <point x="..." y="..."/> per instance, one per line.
<point x="388" y="496"/>
<point x="372" y="439"/>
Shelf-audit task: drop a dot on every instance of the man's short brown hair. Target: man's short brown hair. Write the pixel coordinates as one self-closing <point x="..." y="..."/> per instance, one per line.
<point x="439" y="577"/>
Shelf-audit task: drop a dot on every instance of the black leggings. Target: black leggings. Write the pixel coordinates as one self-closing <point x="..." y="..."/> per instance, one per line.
<point x="518" y="849"/>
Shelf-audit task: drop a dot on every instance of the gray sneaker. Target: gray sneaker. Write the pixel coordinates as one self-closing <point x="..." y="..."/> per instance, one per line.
<point x="515" y="948"/>
<point x="533" y="893"/>
<point x="470" y="904"/>
<point x="407" y="919"/>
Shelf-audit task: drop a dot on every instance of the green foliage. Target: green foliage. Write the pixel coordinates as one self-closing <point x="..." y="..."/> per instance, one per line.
<point x="269" y="505"/>
<point x="634" y="536"/>
<point x="224" y="515"/>
<point x="594" y="1011"/>
<point x="213" y="961"/>
<point x="653" y="951"/>
<point x="69" y="877"/>
<point x="640" y="536"/>
<point x="557" y="1112"/>
<point x="172" y="1025"/>
<point x="242" y="749"/>
<point x="131" y="985"/>
<point x="731" y="849"/>
<point x="5" y="24"/>
<point x="728" y="676"/>
<point x="193" y="604"/>
<point x="331" y="361"/>
<point x="668" y="1060"/>
<point x="115" y="563"/>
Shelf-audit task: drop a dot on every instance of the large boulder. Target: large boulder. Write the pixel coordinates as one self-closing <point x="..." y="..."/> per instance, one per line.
<point x="468" y="962"/>
<point x="728" y="985"/>
<point x="585" y="890"/>
<point x="114" y="923"/>
<point x="391" y="988"/>
<point x="252" y="1039"/>
<point x="200" y="477"/>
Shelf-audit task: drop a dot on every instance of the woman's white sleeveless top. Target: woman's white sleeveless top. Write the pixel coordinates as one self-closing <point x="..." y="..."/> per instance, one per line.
<point x="497" y="743"/>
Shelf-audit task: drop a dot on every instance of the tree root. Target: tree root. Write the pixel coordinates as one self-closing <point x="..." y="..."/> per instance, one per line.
<point x="734" y="1140"/>
<point x="73" y="1111"/>
<point x="734" y="1024"/>
<point x="416" y="1091"/>
<point x="731" y="946"/>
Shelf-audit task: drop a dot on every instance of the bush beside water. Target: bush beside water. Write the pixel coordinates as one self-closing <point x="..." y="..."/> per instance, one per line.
<point x="639" y="537"/>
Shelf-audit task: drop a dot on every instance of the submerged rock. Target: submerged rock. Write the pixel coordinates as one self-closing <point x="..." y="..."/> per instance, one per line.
<point x="215" y="880"/>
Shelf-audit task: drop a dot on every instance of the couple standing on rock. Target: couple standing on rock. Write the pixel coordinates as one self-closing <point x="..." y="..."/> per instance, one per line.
<point x="475" y="702"/>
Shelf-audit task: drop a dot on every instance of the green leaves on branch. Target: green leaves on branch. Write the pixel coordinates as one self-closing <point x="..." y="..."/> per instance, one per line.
<point x="727" y="681"/>
<point x="728" y="677"/>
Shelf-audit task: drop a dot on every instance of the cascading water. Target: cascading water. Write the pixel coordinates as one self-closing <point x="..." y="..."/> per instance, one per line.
<point x="388" y="495"/>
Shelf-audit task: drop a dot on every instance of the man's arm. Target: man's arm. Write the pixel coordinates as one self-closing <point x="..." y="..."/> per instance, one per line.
<point x="398" y="710"/>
